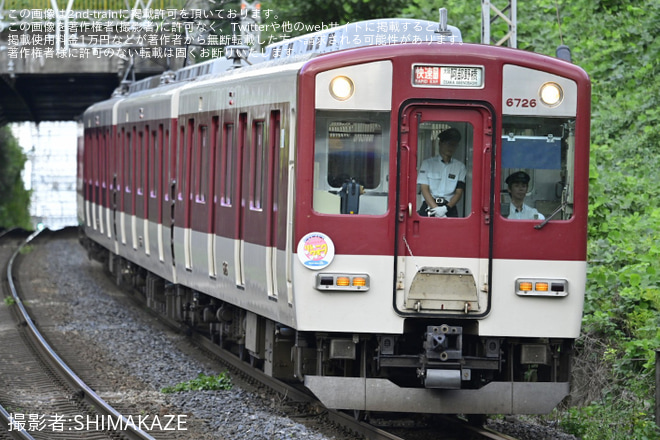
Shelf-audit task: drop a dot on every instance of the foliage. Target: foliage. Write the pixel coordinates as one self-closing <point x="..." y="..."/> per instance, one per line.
<point x="623" y="303"/>
<point x="611" y="419"/>
<point x="203" y="382"/>
<point x="615" y="42"/>
<point x="329" y="12"/>
<point x="14" y="198"/>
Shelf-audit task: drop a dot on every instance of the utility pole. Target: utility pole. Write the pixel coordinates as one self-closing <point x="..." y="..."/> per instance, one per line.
<point x="250" y="23"/>
<point x="508" y="14"/>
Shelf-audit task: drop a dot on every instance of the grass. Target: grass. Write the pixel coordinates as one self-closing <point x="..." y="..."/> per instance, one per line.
<point x="203" y="382"/>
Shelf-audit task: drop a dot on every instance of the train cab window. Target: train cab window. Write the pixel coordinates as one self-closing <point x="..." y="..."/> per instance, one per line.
<point x="444" y="169"/>
<point x="536" y="179"/>
<point x="351" y="162"/>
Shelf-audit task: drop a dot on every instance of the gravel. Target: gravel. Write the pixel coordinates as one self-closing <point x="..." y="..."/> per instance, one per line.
<point x="527" y="428"/>
<point x="145" y="358"/>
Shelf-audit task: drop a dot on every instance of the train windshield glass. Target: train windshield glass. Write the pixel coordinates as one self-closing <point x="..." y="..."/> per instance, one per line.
<point x="444" y="154"/>
<point x="351" y="161"/>
<point x="537" y="168"/>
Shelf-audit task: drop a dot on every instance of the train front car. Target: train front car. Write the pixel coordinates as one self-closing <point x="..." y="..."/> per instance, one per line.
<point x="471" y="307"/>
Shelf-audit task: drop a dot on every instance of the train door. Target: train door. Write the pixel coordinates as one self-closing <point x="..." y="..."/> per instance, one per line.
<point x="443" y="254"/>
<point x="258" y="195"/>
<point x="274" y="143"/>
<point x="116" y="179"/>
<point x="103" y="163"/>
<point x="142" y="189"/>
<point x="155" y="165"/>
<point x="212" y="196"/>
<point x="239" y="243"/>
<point x="227" y="219"/>
<point x="188" y="192"/>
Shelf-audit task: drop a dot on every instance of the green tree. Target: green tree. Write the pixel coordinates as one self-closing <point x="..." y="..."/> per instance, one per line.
<point x="14" y="198"/>
<point x="616" y="42"/>
<point x="330" y="12"/>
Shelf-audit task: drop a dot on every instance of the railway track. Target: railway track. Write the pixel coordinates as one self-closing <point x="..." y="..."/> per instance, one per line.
<point x="42" y="397"/>
<point x="74" y="393"/>
<point x="458" y="428"/>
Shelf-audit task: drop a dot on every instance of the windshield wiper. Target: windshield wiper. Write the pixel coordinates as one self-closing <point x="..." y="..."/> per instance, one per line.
<point x="556" y="211"/>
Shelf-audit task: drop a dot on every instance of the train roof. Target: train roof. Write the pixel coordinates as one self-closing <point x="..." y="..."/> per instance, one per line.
<point x="331" y="39"/>
<point x="365" y="33"/>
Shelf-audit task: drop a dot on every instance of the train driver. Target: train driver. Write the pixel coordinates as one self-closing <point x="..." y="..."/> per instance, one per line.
<point x="518" y="183"/>
<point x="442" y="178"/>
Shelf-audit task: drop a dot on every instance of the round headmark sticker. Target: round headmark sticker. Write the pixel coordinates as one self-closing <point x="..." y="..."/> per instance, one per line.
<point x="316" y="250"/>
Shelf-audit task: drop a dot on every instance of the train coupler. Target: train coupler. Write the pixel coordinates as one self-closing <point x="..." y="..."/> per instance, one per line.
<point x="444" y="342"/>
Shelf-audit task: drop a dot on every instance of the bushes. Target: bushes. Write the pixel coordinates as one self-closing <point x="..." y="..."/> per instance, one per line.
<point x="14" y="198"/>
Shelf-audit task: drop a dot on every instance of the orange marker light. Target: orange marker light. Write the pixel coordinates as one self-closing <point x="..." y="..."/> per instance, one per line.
<point x="359" y="281"/>
<point x="542" y="287"/>
<point x="343" y="281"/>
<point x="525" y="286"/>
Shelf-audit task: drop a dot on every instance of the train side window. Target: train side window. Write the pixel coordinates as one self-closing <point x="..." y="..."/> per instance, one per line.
<point x="103" y="159"/>
<point x="128" y="149"/>
<point x="95" y="162"/>
<point x="139" y="158"/>
<point x="203" y="162"/>
<point x="154" y="163"/>
<point x="179" y="155"/>
<point x="227" y="179"/>
<point x="188" y="160"/>
<point x="537" y="169"/>
<point x="257" y="165"/>
<point x="351" y="162"/>
<point x="121" y="159"/>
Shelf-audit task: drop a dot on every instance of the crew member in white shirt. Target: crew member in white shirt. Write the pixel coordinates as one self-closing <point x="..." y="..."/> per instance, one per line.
<point x="442" y="178"/>
<point x="518" y="184"/>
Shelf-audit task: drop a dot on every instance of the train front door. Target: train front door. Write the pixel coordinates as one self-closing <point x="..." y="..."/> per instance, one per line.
<point x="445" y="203"/>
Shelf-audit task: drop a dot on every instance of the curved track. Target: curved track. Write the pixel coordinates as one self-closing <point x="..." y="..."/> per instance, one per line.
<point x="34" y="372"/>
<point x="450" y="428"/>
<point x="77" y="394"/>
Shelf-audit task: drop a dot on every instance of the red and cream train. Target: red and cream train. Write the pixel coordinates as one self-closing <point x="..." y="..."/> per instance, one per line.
<point x="273" y="200"/>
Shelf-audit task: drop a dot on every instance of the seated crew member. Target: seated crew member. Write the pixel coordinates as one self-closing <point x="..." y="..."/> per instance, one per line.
<point x="518" y="183"/>
<point x="442" y="179"/>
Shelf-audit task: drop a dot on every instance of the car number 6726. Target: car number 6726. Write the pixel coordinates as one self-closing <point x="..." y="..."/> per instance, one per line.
<point x="520" y="102"/>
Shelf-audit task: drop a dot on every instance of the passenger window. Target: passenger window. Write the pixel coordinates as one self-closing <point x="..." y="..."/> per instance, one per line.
<point x="537" y="168"/>
<point x="444" y="169"/>
<point x="351" y="162"/>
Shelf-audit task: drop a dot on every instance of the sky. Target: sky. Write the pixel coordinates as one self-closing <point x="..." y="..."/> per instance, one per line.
<point x="50" y="171"/>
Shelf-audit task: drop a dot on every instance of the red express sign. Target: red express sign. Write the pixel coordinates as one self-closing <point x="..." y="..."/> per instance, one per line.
<point x="447" y="76"/>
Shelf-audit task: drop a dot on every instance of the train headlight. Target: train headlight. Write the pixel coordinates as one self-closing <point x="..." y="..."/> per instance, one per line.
<point x="341" y="88"/>
<point x="551" y="94"/>
<point x="342" y="282"/>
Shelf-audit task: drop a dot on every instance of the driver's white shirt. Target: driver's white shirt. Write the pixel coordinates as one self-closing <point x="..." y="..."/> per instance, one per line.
<point x="526" y="213"/>
<point x="441" y="177"/>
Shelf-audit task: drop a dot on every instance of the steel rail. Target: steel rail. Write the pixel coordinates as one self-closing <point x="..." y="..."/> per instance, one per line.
<point x="5" y="416"/>
<point x="290" y="392"/>
<point x="6" y="420"/>
<point x="287" y="391"/>
<point x="63" y="370"/>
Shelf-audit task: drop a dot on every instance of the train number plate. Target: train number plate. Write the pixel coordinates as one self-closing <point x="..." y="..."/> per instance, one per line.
<point x="447" y="76"/>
